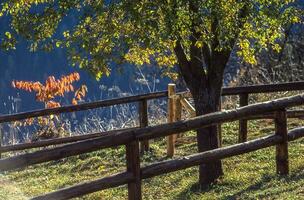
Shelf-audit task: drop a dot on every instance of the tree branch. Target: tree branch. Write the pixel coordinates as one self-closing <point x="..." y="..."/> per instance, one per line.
<point x="196" y="54"/>
<point x="183" y="63"/>
<point x="206" y="54"/>
<point x="196" y="57"/>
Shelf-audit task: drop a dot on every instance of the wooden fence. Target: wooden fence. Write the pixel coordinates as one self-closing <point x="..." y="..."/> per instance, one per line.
<point x="131" y="139"/>
<point x="143" y="119"/>
<point x="178" y="100"/>
<point x="245" y="91"/>
<point x="175" y="102"/>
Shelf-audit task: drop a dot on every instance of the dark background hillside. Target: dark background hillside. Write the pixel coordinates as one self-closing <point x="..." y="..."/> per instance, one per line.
<point x="21" y="64"/>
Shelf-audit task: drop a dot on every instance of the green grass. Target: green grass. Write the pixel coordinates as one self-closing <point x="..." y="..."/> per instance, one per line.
<point x="249" y="176"/>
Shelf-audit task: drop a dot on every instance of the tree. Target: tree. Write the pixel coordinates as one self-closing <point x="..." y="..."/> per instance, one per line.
<point x="197" y="36"/>
<point x="285" y="66"/>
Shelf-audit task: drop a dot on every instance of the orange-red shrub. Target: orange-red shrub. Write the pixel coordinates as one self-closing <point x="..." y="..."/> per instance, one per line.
<point x="51" y="126"/>
<point x="53" y="88"/>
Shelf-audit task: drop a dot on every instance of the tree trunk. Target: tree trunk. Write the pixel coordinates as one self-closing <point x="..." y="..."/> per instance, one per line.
<point x="207" y="99"/>
<point x="207" y="138"/>
<point x="205" y="85"/>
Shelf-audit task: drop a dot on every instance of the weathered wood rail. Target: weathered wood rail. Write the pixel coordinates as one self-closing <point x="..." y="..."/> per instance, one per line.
<point x="83" y="106"/>
<point x="295" y="86"/>
<point x="174" y="114"/>
<point x="57" y="141"/>
<point x="131" y="139"/>
<point x="243" y="93"/>
<point x="142" y="101"/>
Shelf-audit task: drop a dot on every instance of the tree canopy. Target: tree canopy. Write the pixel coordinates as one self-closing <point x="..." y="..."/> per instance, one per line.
<point x="196" y="35"/>
<point x="146" y="32"/>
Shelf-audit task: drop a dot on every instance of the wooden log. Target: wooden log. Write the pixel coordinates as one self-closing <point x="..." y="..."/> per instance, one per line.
<point x="243" y="124"/>
<point x="123" y="178"/>
<point x="251" y="89"/>
<point x="143" y="122"/>
<point x="281" y="148"/>
<point x="88" y="187"/>
<point x="133" y="166"/>
<point x="208" y="156"/>
<point x="295" y="114"/>
<point x="76" y="191"/>
<point x="191" y="109"/>
<point x="57" y="141"/>
<point x="81" y="107"/>
<point x="254" y="89"/>
<point x="170" y="113"/>
<point x="163" y="130"/>
<point x="104" y="103"/>
<point x="86" y="146"/>
<point x="290" y="114"/>
<point x="296" y="133"/>
<point x="218" y="117"/>
<point x="187" y="105"/>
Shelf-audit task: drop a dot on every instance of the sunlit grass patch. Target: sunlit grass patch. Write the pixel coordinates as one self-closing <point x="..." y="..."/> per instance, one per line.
<point x="248" y="176"/>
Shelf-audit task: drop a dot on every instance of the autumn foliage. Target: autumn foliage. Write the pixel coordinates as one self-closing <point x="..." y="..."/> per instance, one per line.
<point x="47" y="93"/>
<point x="53" y="88"/>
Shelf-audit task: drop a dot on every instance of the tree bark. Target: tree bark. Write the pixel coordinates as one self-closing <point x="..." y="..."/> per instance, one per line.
<point x="205" y="85"/>
<point x="207" y="101"/>
<point x="207" y="138"/>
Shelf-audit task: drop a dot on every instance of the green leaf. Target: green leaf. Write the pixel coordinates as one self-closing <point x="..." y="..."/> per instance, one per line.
<point x="8" y="35"/>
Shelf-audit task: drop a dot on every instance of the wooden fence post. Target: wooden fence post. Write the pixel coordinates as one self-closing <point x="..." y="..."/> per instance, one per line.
<point x="282" y="148"/>
<point x="143" y="122"/>
<point x="243" y="124"/>
<point x="133" y="166"/>
<point x="171" y="113"/>
<point x="178" y="112"/>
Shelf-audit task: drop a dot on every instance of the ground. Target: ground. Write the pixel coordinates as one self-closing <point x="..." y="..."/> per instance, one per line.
<point x="249" y="176"/>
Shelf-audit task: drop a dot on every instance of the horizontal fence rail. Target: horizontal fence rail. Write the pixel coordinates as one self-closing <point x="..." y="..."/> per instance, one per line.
<point x="290" y="114"/>
<point x="242" y="91"/>
<point x="56" y="141"/>
<point x="255" y="89"/>
<point x="275" y="109"/>
<point x="89" y="187"/>
<point x="171" y="166"/>
<point x="124" y="137"/>
<point x="265" y="88"/>
<point x="207" y="156"/>
<point x="295" y="86"/>
<point x="68" y="150"/>
<point x="75" y="138"/>
<point x="82" y="106"/>
<point x="296" y="134"/>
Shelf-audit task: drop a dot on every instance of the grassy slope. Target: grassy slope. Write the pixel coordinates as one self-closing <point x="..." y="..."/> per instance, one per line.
<point x="250" y="176"/>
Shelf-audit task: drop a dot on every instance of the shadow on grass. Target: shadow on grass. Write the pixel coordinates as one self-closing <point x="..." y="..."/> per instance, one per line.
<point x="270" y="186"/>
